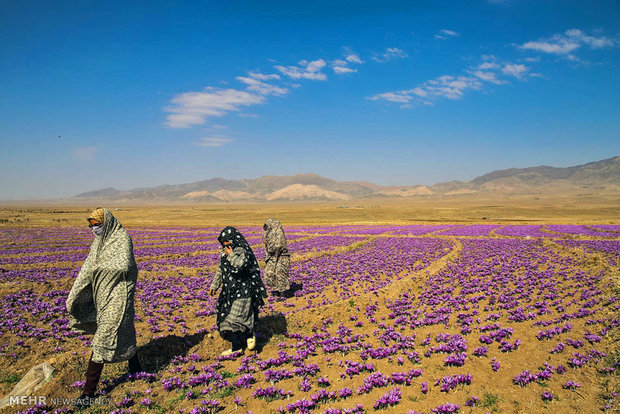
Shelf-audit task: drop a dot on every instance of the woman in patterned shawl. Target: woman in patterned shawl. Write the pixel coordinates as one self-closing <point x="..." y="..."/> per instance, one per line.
<point x="101" y="301"/>
<point x="242" y="291"/>
<point x="277" y="258"/>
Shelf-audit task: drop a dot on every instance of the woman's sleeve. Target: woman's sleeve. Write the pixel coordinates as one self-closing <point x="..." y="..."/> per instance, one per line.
<point x="217" y="279"/>
<point x="270" y="244"/>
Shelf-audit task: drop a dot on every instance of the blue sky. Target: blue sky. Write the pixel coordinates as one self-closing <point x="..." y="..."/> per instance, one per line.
<point x="397" y="93"/>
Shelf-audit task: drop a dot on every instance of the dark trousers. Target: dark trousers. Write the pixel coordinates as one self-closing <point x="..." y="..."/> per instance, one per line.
<point x="236" y="338"/>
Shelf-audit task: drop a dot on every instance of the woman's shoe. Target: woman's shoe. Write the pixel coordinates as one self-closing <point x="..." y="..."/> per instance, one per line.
<point x="251" y="342"/>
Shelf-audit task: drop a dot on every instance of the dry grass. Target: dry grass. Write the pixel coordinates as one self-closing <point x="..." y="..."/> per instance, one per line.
<point x="578" y="209"/>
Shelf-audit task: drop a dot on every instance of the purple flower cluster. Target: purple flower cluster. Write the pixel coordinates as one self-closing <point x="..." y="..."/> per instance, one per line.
<point x="390" y="399"/>
<point x="447" y="408"/>
<point x="550" y="333"/>
<point x="451" y="382"/>
<point x="571" y="385"/>
<point x="271" y="393"/>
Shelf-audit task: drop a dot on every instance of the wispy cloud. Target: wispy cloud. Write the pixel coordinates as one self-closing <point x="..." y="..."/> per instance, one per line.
<point x="260" y="76"/>
<point x="449" y="87"/>
<point x="197" y="107"/>
<point x="515" y="70"/>
<point x="353" y="58"/>
<point x="305" y="70"/>
<point x="445" y="34"/>
<point x="338" y="69"/>
<point x="342" y="66"/>
<point x="260" y="87"/>
<point x="213" y="141"/>
<point x="487" y="76"/>
<point x="193" y="108"/>
<point x="84" y="153"/>
<point x="568" y="42"/>
<point x="389" y="54"/>
<point x="454" y="87"/>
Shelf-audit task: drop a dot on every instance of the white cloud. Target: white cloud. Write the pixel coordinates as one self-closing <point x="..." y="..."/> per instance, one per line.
<point x="444" y="34"/>
<point x="305" y="70"/>
<point x="84" y="153"/>
<point x="488" y="65"/>
<point x="343" y="69"/>
<point x="559" y="47"/>
<point x="353" y="58"/>
<point x="193" y="108"/>
<point x="515" y="70"/>
<point x="389" y="54"/>
<point x="593" y="42"/>
<point x="490" y="71"/>
<point x="451" y="87"/>
<point x="342" y="66"/>
<point x="567" y="42"/>
<point x="448" y="87"/>
<point x="262" y="88"/>
<point x="394" y="52"/>
<point x="398" y="96"/>
<point x="487" y="76"/>
<point x="213" y="141"/>
<point x="260" y="76"/>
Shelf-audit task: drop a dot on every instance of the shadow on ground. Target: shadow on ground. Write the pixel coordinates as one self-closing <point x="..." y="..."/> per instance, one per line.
<point x="268" y="326"/>
<point x="159" y="352"/>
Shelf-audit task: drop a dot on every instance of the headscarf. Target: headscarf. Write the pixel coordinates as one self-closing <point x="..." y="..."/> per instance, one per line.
<point x="233" y="235"/>
<point x="275" y="240"/>
<point x="244" y="282"/>
<point x="98" y="214"/>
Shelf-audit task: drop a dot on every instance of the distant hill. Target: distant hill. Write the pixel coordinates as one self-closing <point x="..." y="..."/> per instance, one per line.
<point x="595" y="177"/>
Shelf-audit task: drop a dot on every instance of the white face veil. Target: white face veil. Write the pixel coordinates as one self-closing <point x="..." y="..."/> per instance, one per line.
<point x="97" y="230"/>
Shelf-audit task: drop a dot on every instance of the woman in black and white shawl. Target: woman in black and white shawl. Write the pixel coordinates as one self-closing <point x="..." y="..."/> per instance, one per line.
<point x="242" y="291"/>
<point x="101" y="300"/>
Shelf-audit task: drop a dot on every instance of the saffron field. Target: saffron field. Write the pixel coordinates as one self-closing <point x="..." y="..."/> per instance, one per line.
<point x="393" y="318"/>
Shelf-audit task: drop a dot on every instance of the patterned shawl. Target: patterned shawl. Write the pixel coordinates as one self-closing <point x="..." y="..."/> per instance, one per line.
<point x="101" y="300"/>
<point x="241" y="278"/>
<point x="275" y="241"/>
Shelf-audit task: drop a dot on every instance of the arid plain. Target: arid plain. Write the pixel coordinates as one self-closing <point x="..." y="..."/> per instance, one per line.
<point x="576" y="209"/>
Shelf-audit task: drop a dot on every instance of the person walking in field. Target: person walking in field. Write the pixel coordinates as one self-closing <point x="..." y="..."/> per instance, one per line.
<point x="277" y="258"/>
<point x="242" y="291"/>
<point x="101" y="300"/>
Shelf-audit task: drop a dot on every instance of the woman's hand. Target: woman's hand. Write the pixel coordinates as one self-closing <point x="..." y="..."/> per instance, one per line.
<point x="227" y="247"/>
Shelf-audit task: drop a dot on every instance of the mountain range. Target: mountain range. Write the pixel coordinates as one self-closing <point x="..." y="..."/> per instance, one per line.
<point x="592" y="178"/>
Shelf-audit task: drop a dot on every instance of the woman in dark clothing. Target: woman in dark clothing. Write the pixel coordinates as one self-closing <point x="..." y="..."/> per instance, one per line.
<point x="242" y="291"/>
